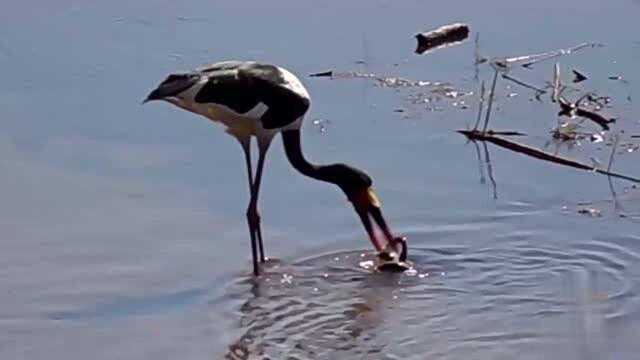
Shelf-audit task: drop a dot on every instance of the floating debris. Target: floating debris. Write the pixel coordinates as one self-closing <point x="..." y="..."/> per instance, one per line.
<point x="194" y="19"/>
<point x="578" y="76"/>
<point x="566" y="132"/>
<point x="434" y="108"/>
<point x="615" y="77"/>
<point x="599" y="101"/>
<point x="630" y="147"/>
<point x="328" y="73"/>
<point x="395" y="82"/>
<point x="321" y="125"/>
<point x="450" y="92"/>
<point x="443" y="36"/>
<point x="591" y="211"/>
<point x="382" y="81"/>
<point x="572" y="110"/>
<point x="527" y="61"/>
<point x="596" y="138"/>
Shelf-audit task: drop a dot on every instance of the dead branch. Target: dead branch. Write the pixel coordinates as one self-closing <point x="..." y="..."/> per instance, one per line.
<point x="539" y="154"/>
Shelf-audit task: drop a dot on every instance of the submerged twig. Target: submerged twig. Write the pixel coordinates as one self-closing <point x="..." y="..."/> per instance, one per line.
<point x="539" y="154"/>
<point x="614" y="195"/>
<point x="616" y="139"/>
<point x="538" y="90"/>
<point x="481" y="106"/>
<point x="556" y="83"/>
<point x="480" y="168"/>
<point x="490" y="170"/>
<point x="478" y="59"/>
<point x="491" y="95"/>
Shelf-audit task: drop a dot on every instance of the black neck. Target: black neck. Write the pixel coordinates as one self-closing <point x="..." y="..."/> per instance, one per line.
<point x="348" y="178"/>
<point x="291" y="141"/>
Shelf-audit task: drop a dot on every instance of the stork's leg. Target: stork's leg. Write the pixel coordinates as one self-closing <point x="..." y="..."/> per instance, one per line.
<point x="246" y="147"/>
<point x="263" y="147"/>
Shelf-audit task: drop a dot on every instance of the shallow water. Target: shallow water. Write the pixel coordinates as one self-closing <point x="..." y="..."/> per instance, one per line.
<point x="122" y="225"/>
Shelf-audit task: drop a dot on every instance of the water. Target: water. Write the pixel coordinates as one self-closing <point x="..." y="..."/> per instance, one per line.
<point x="122" y="225"/>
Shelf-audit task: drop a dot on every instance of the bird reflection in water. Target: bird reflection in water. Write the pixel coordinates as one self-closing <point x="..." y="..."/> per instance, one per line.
<point x="310" y="312"/>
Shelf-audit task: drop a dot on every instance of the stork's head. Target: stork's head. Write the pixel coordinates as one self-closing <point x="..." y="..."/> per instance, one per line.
<point x="172" y="86"/>
<point x="357" y="185"/>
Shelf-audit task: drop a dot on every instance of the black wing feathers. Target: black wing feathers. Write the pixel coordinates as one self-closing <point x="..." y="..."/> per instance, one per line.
<point x="284" y="105"/>
<point x="241" y="86"/>
<point x="230" y="91"/>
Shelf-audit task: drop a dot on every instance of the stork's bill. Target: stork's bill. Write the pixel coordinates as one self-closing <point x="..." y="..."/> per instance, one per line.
<point x="367" y="205"/>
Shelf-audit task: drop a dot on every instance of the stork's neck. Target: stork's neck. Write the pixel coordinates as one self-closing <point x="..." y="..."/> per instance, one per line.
<point x="326" y="173"/>
<point x="348" y="178"/>
<point x="293" y="148"/>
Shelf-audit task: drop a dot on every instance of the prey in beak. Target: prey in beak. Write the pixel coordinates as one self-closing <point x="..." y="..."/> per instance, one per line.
<point x="392" y="249"/>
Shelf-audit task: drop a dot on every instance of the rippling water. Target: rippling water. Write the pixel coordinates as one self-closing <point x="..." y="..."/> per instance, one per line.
<point x="517" y="299"/>
<point x="122" y="226"/>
